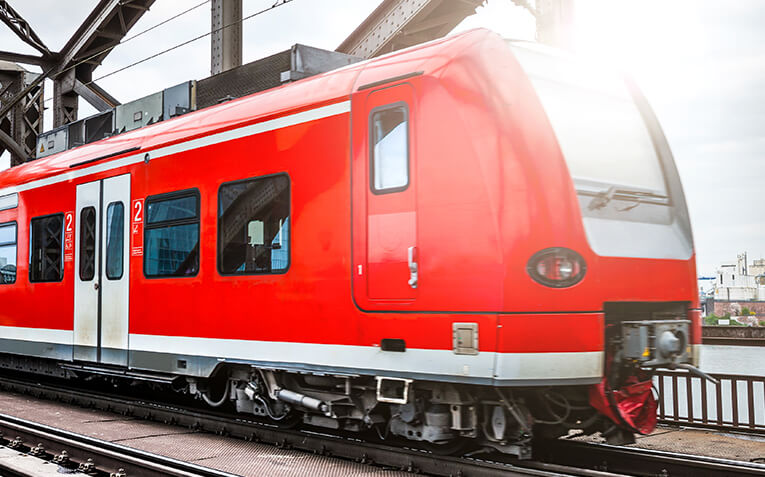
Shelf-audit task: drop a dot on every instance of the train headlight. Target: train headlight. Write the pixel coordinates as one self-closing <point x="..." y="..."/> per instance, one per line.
<point x="557" y="267"/>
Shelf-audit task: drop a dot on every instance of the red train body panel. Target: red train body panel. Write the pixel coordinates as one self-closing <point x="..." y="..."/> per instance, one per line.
<point x="487" y="188"/>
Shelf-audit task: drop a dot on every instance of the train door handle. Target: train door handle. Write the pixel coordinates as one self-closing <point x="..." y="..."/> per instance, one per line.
<point x="412" y="266"/>
<point x="95" y="286"/>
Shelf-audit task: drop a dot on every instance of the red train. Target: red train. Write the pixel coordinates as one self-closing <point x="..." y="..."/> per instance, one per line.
<point x="468" y="238"/>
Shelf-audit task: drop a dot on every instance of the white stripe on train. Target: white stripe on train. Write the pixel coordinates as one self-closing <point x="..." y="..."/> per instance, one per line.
<point x="521" y="366"/>
<point x="40" y="335"/>
<point x="511" y="366"/>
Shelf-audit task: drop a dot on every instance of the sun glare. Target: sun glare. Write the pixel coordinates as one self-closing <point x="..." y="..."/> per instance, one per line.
<point x="634" y="34"/>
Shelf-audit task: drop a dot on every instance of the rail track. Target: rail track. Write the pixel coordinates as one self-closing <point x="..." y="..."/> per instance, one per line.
<point x="634" y="461"/>
<point x="552" y="458"/>
<point x="74" y="453"/>
<point x="732" y="341"/>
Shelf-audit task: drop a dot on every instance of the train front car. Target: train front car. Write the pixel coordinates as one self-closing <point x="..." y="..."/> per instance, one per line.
<point x="490" y="242"/>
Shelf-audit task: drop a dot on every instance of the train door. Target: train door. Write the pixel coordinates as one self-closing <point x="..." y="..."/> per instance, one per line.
<point x="386" y="274"/>
<point x="102" y="271"/>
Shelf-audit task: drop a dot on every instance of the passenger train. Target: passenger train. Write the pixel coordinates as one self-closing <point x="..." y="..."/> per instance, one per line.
<point x="471" y="239"/>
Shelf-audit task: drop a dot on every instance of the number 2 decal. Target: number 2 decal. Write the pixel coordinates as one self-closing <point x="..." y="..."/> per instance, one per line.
<point x="69" y="237"/>
<point x="136" y="247"/>
<point x="138" y="209"/>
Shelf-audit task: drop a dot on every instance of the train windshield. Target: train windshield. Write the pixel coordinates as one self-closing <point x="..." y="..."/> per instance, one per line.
<point x="601" y="132"/>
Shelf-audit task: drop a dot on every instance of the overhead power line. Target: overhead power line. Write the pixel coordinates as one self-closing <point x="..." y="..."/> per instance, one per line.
<point x="277" y="4"/>
<point x="89" y="57"/>
<point x="125" y="40"/>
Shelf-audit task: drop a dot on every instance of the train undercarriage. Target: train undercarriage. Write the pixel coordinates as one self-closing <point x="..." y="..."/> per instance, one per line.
<point x="639" y="339"/>
<point x="442" y="416"/>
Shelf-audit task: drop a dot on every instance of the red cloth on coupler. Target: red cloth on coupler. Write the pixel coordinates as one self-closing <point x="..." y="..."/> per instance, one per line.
<point x="633" y="406"/>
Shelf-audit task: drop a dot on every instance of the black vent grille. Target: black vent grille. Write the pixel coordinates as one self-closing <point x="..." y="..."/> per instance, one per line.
<point x="243" y="80"/>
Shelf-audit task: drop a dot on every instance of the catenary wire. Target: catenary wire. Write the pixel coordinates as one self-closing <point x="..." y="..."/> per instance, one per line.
<point x="109" y="48"/>
<point x="199" y="37"/>
<point x="179" y="45"/>
<point x="125" y="40"/>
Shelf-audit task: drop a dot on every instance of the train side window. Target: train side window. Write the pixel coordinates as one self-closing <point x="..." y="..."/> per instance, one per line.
<point x="389" y="148"/>
<point x="8" y="253"/>
<point x="115" y="241"/>
<point x="46" y="258"/>
<point x="171" y="235"/>
<point x="254" y="226"/>
<point x="87" y="244"/>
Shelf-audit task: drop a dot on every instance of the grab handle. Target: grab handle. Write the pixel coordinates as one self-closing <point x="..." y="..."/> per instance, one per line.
<point x="412" y="267"/>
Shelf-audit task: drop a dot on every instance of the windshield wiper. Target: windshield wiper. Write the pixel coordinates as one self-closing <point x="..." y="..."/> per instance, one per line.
<point x="602" y="198"/>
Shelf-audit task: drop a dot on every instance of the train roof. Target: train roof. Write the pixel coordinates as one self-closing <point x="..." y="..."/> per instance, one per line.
<point x="323" y="89"/>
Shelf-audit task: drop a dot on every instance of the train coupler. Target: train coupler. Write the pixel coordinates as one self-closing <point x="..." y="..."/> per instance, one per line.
<point x="656" y="343"/>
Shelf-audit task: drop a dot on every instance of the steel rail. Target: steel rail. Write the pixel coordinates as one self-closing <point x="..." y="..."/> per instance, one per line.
<point x="552" y="457"/>
<point x="90" y="455"/>
<point x="636" y="461"/>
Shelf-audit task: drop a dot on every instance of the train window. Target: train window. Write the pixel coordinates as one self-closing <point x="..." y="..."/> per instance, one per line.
<point x="46" y="262"/>
<point x="389" y="152"/>
<point x="9" y="201"/>
<point x="115" y="241"/>
<point x="599" y="127"/>
<point x="87" y="243"/>
<point x="171" y="235"/>
<point x="8" y="253"/>
<point x="253" y="226"/>
<point x="172" y="209"/>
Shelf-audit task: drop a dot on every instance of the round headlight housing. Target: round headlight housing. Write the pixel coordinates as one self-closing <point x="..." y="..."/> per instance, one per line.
<point x="557" y="267"/>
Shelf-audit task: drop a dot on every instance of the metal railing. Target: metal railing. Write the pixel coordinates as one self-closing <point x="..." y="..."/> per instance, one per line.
<point x="737" y="403"/>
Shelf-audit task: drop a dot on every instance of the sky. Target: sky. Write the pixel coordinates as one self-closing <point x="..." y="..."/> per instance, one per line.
<point x="700" y="63"/>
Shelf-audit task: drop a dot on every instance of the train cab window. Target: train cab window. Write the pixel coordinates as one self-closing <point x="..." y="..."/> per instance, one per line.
<point x="253" y="226"/>
<point x="115" y="241"/>
<point x="8" y="253"/>
<point x="46" y="263"/>
<point x="389" y="152"/>
<point x="87" y="244"/>
<point x="171" y="235"/>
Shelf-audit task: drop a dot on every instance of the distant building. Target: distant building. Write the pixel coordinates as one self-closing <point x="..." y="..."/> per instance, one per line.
<point x="740" y="285"/>
<point x="740" y="281"/>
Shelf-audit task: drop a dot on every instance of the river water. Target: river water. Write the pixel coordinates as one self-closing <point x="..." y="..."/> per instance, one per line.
<point x="749" y="360"/>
